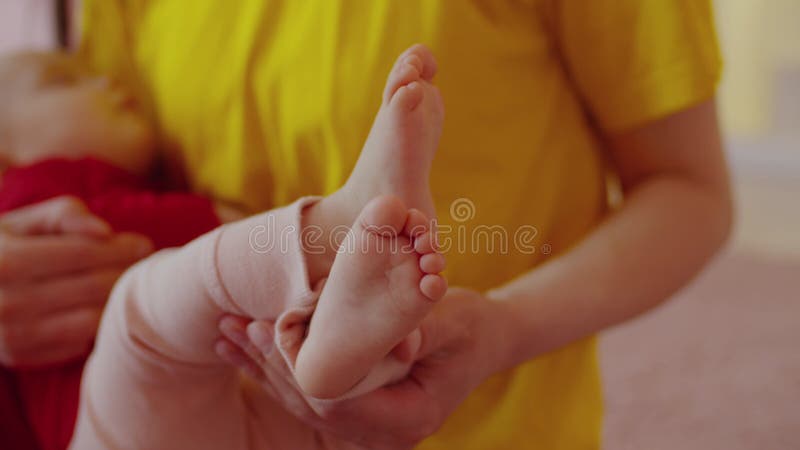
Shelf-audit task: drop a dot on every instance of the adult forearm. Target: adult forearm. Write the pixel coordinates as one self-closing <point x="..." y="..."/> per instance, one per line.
<point x="666" y="231"/>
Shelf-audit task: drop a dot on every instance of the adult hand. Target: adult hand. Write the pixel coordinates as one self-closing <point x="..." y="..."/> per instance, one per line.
<point x="461" y="346"/>
<point x="58" y="264"/>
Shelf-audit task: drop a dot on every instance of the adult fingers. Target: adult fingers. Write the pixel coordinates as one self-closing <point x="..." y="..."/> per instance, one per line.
<point x="260" y="333"/>
<point x="53" y="339"/>
<point x="235" y="356"/>
<point x="234" y="328"/>
<point x="395" y="416"/>
<point x="55" y="216"/>
<point x="401" y="405"/>
<point x="25" y="302"/>
<point x="260" y="336"/>
<point x="72" y="326"/>
<point x="27" y="258"/>
<point x="60" y="354"/>
<point x="445" y="326"/>
<point x="243" y="352"/>
<point x="407" y="349"/>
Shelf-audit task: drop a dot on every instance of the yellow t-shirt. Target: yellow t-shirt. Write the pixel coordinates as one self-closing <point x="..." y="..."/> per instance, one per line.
<point x="264" y="101"/>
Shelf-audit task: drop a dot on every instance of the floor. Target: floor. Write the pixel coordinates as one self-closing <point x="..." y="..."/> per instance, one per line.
<point x="718" y="367"/>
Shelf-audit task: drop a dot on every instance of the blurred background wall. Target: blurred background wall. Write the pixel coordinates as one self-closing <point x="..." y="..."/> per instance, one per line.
<point x="760" y="107"/>
<point x="26" y="24"/>
<point x="718" y="366"/>
<point x="761" y="42"/>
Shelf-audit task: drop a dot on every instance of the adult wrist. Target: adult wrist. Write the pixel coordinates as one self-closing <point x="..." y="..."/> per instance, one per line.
<point x="522" y="339"/>
<point x="505" y="334"/>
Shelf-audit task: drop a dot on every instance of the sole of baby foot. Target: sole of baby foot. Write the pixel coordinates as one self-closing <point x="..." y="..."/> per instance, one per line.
<point x="397" y="156"/>
<point x="384" y="281"/>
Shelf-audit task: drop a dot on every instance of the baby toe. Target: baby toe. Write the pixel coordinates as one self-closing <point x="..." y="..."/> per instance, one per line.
<point x="405" y="72"/>
<point x="425" y="243"/>
<point x="417" y="223"/>
<point x="433" y="286"/>
<point x="408" y="97"/>
<point x="432" y="263"/>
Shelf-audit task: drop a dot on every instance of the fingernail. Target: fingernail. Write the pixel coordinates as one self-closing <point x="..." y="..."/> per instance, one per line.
<point x="96" y="227"/>
<point x="86" y="224"/>
<point x="232" y="330"/>
<point x="410" y="60"/>
<point x="261" y="335"/>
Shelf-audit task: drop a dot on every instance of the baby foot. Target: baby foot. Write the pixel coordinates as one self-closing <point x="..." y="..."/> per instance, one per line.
<point x="382" y="284"/>
<point x="397" y="156"/>
<point x="375" y="298"/>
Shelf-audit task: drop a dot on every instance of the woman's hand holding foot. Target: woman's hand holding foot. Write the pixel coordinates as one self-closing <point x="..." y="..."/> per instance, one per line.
<point x="459" y="349"/>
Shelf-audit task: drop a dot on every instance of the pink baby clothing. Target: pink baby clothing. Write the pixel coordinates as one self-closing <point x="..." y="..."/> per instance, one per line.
<point x="154" y="381"/>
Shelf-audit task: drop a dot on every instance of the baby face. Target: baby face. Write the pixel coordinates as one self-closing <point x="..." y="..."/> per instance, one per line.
<point x="56" y="108"/>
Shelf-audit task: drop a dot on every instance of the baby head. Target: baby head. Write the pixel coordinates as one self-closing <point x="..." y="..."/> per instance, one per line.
<point x="53" y="106"/>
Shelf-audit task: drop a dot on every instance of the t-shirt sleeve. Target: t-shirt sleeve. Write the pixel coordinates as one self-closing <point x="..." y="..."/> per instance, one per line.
<point x="107" y="28"/>
<point x="634" y="61"/>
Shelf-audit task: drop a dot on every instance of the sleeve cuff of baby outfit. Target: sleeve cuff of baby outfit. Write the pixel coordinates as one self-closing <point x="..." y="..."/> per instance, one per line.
<point x="257" y="267"/>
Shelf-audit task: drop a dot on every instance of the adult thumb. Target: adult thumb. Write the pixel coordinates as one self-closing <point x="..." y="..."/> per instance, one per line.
<point x="61" y="215"/>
